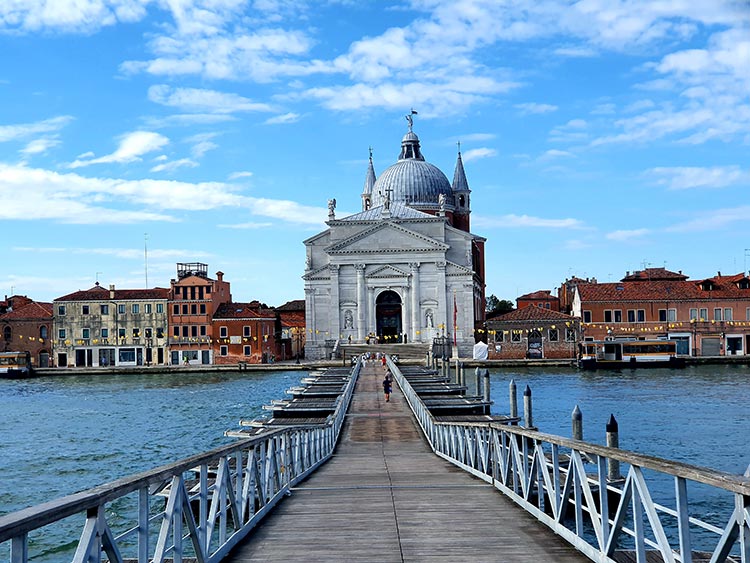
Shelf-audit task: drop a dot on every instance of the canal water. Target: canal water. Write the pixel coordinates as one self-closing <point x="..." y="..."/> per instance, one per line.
<point x="63" y="434"/>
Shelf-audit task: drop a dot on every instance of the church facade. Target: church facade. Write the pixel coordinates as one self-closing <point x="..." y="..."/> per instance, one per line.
<point x="404" y="269"/>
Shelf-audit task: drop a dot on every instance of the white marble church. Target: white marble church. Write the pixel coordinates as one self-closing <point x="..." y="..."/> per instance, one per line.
<point x="404" y="269"/>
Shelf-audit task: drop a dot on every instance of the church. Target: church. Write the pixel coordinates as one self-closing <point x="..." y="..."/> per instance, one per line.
<point x="404" y="269"/>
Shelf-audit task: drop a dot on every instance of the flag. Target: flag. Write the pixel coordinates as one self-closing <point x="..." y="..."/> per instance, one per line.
<point x="455" y="317"/>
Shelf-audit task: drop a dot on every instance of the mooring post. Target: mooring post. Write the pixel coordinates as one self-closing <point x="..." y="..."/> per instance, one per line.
<point x="486" y="386"/>
<point x="458" y="372"/>
<point x="613" y="441"/>
<point x="513" y="399"/>
<point x="528" y="418"/>
<point x="427" y="360"/>
<point x="463" y="376"/>
<point x="477" y="382"/>
<point x="577" y="421"/>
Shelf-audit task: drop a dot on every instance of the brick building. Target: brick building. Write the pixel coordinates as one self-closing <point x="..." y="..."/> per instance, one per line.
<point x="26" y="326"/>
<point x="533" y="332"/>
<point x="292" y="338"/>
<point x="245" y="332"/>
<point x="110" y="327"/>
<point x="542" y="298"/>
<point x="194" y="298"/>
<point x="707" y="317"/>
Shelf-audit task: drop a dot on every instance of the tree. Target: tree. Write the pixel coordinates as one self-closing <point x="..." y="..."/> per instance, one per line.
<point x="497" y="306"/>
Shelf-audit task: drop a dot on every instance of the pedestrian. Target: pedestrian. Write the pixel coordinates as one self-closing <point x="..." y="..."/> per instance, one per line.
<point x="387" y="387"/>
<point x="383" y="359"/>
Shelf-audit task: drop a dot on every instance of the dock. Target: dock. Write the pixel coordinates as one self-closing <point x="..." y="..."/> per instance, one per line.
<point x="384" y="496"/>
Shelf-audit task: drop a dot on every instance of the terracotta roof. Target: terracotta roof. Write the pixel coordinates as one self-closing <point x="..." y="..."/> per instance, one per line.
<point x="99" y="293"/>
<point x="33" y="310"/>
<point x="252" y="310"/>
<point x="654" y="274"/>
<point x="544" y="294"/>
<point x="533" y="314"/>
<point x="662" y="290"/>
<point x="295" y="305"/>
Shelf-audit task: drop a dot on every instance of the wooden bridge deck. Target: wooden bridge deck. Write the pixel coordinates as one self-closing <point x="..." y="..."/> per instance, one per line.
<point x="384" y="496"/>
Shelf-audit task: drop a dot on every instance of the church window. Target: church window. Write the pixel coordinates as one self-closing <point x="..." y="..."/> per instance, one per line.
<point x="461" y="201"/>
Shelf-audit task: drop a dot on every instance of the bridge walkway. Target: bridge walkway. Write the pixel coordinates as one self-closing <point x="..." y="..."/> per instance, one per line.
<point x="384" y="496"/>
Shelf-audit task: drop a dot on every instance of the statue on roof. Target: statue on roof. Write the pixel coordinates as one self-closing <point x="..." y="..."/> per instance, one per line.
<point x="410" y="119"/>
<point x="331" y="208"/>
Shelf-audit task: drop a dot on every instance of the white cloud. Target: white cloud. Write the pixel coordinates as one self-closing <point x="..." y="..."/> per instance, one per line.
<point x="132" y="146"/>
<point x="78" y="16"/>
<point x="687" y="177"/>
<point x="40" y="146"/>
<point x="247" y="226"/>
<point x="173" y="165"/>
<point x="555" y="153"/>
<point x="476" y="137"/>
<point x="713" y="220"/>
<point x="238" y="175"/>
<point x="512" y="221"/>
<point x="203" y="101"/>
<point x="626" y="235"/>
<point x="124" y="253"/>
<point x="534" y="108"/>
<point x="202" y="143"/>
<point x="25" y="130"/>
<point x="477" y="154"/>
<point x="290" y="117"/>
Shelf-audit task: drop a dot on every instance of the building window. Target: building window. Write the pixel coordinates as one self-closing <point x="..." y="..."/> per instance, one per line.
<point x="200" y="292"/>
<point x="185" y="331"/>
<point x="515" y="336"/>
<point x="192" y="292"/>
<point x="105" y="333"/>
<point x="222" y="332"/>
<point x="747" y="314"/>
<point x="61" y="310"/>
<point x="85" y="309"/>
<point x="662" y="315"/>
<point x="185" y="309"/>
<point x="147" y="308"/>
<point x="246" y="350"/>
<point x="546" y="305"/>
<point x="203" y="330"/>
<point x="86" y="333"/>
<point x="121" y="309"/>
<point x="148" y="333"/>
<point x="121" y="333"/>
<point x="203" y="308"/>
<point x="703" y="315"/>
<point x="587" y="316"/>
<point x="641" y="315"/>
<point x="693" y="314"/>
<point x="553" y="335"/>
<point x="160" y="308"/>
<point x="193" y="309"/>
<point x="607" y="316"/>
<point x="193" y="330"/>
<point x="570" y="335"/>
<point x="223" y="350"/>
<point x="176" y="331"/>
<point x="499" y="336"/>
<point x="42" y="332"/>
<point x="104" y="309"/>
<point x="631" y="315"/>
<point x="175" y="309"/>
<point x="717" y="314"/>
<point x="136" y="332"/>
<point x="618" y="315"/>
<point x="671" y="315"/>
<point x="160" y="332"/>
<point x="728" y="316"/>
<point x="61" y="334"/>
<point x="246" y="332"/>
<point x="136" y="308"/>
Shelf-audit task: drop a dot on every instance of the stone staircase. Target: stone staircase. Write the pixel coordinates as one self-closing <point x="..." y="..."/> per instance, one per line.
<point x="410" y="351"/>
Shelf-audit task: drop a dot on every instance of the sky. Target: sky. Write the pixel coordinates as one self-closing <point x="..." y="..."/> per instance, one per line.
<point x="598" y="136"/>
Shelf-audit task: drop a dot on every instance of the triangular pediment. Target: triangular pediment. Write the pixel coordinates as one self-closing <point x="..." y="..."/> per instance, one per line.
<point x="318" y="274"/>
<point x="453" y="269"/>
<point x="387" y="238"/>
<point x="387" y="271"/>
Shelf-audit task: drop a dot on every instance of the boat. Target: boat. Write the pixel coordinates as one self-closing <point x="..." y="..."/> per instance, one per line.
<point x="15" y="365"/>
<point x="614" y="354"/>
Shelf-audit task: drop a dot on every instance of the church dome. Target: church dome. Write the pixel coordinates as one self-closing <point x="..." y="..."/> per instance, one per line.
<point x="412" y="180"/>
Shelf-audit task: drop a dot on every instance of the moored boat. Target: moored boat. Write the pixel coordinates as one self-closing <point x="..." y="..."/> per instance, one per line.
<point x="616" y="354"/>
<point x="15" y="365"/>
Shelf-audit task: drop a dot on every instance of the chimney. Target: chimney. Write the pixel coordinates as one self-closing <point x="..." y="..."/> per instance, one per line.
<point x="220" y="276"/>
<point x="111" y="291"/>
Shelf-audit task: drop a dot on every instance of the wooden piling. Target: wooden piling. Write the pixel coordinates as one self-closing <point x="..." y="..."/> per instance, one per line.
<point x="477" y="382"/>
<point x="528" y="417"/>
<point x="576" y="419"/>
<point x="613" y="441"/>
<point x="513" y="399"/>
<point x="486" y="396"/>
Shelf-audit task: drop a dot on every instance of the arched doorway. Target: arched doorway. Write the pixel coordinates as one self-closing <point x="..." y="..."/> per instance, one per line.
<point x="388" y="316"/>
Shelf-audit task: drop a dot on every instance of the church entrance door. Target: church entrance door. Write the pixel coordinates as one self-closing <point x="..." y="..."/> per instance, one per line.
<point x="388" y="317"/>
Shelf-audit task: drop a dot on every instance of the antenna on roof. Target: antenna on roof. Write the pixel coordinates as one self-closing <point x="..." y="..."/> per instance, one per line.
<point x="145" y="255"/>
<point x="97" y="276"/>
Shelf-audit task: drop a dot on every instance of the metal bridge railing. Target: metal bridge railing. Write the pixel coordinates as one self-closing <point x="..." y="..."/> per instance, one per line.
<point x="567" y="485"/>
<point x="197" y="508"/>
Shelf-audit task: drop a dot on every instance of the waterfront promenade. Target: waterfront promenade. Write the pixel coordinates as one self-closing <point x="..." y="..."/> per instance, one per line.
<point x="384" y="496"/>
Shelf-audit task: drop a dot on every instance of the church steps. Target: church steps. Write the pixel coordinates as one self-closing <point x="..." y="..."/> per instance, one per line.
<point x="404" y="351"/>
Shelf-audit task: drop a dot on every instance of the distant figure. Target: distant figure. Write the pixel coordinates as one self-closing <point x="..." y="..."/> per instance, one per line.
<point x="387" y="387"/>
<point x="187" y="361"/>
<point x="428" y="318"/>
<point x="383" y="360"/>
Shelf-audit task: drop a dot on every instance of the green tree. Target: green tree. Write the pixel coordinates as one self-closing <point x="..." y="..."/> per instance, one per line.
<point x="497" y="306"/>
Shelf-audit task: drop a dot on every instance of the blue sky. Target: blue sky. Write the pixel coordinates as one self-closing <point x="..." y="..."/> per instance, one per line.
<point x="598" y="136"/>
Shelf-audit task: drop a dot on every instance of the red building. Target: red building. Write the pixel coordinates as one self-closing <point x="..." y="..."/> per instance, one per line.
<point x="542" y="298"/>
<point x="26" y="327"/>
<point x="194" y="298"/>
<point x="707" y="317"/>
<point x="244" y="332"/>
<point x="533" y="332"/>
<point x="292" y="340"/>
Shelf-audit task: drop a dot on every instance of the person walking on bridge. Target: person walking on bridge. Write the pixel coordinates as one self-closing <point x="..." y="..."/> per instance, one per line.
<point x="387" y="386"/>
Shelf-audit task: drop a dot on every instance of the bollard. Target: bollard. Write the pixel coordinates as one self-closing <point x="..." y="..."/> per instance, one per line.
<point x="462" y="371"/>
<point x="528" y="418"/>
<point x="486" y="386"/>
<point x="427" y="360"/>
<point x="458" y="373"/>
<point x="577" y="422"/>
<point x="477" y="382"/>
<point x="513" y="399"/>
<point x="613" y="441"/>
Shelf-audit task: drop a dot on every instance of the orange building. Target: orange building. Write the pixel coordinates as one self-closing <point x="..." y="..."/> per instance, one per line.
<point x="542" y="298"/>
<point x="194" y="298"/>
<point x="532" y="332"/>
<point x="244" y="332"/>
<point x="26" y="327"/>
<point x="708" y="317"/>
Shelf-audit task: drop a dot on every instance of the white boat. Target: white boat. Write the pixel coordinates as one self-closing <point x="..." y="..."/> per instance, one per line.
<point x="604" y="354"/>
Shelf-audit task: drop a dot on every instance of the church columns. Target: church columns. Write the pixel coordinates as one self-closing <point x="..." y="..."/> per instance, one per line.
<point x="334" y="313"/>
<point x="442" y="312"/>
<point x="310" y="319"/>
<point x="415" y="311"/>
<point x="361" y="303"/>
<point x="371" y="321"/>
